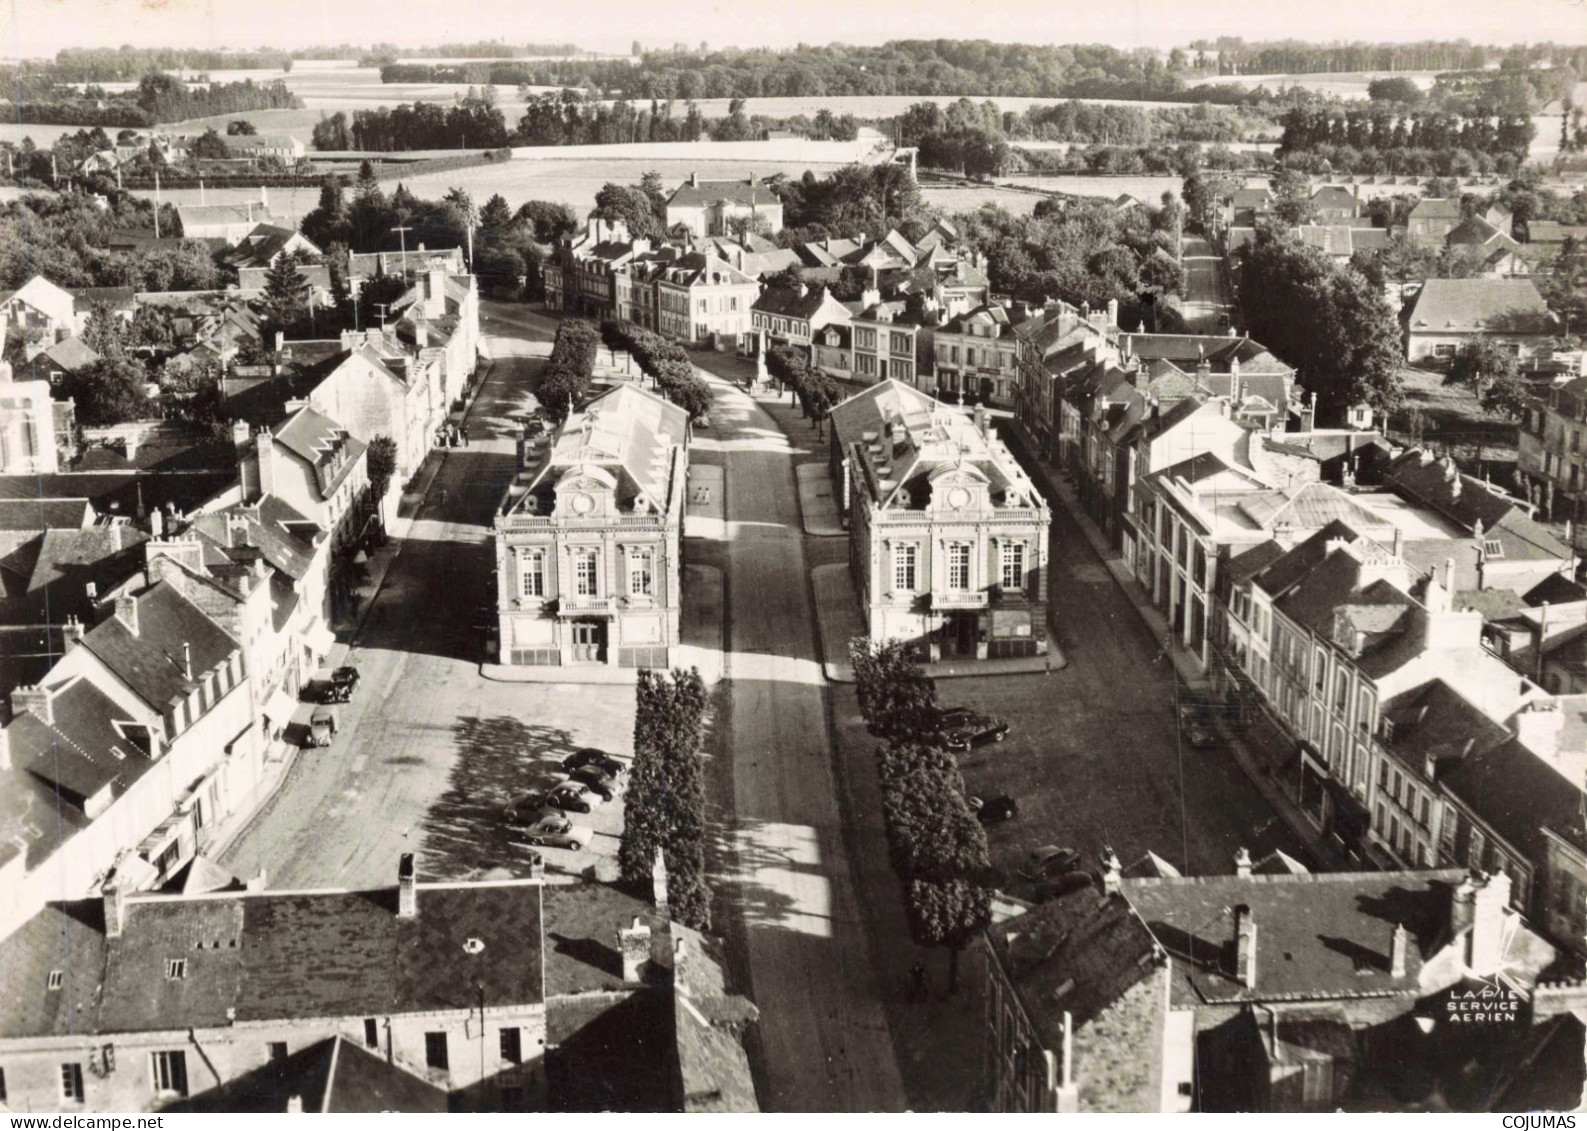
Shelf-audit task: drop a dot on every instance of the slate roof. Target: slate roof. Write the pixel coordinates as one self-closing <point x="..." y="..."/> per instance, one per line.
<point x="1289" y="570"/>
<point x="1433" y="485"/>
<point x="1474" y="231"/>
<point x="1319" y="935"/>
<point x="68" y="937"/>
<point x="1434" y="721"/>
<point x="1519" y="793"/>
<point x="71" y="354"/>
<point x="1079" y="955"/>
<point x="789" y="303"/>
<point x="1188" y="350"/>
<point x="121" y="492"/>
<point x="1477" y="305"/>
<point x="1436" y="208"/>
<point x="1333" y="196"/>
<point x="274" y="529"/>
<point x="333" y="1075"/>
<point x="699" y="269"/>
<point x="273" y="956"/>
<point x="323" y="444"/>
<point x="706" y="193"/>
<point x="627" y="434"/>
<point x="1330" y="239"/>
<point x="45" y="513"/>
<point x="87" y="747"/>
<point x="261" y="245"/>
<point x="152" y="662"/>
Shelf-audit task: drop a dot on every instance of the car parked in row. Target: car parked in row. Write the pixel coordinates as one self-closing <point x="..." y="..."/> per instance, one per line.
<point x="544" y="825"/>
<point x="597" y="781"/>
<point x="589" y="756"/>
<point x="960" y="728"/>
<point x="568" y="796"/>
<point x="1049" y="861"/>
<point x="990" y="810"/>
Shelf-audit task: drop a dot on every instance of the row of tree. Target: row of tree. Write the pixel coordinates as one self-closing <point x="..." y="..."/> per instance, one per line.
<point x="159" y="97"/>
<point x="1379" y="128"/>
<point x="665" y="362"/>
<point x="817" y="392"/>
<point x="565" y="382"/>
<point x="665" y="807"/>
<point x="936" y="845"/>
<point x="471" y="123"/>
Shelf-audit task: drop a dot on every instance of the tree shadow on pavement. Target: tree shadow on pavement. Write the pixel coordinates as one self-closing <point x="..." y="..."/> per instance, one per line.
<point x="497" y="759"/>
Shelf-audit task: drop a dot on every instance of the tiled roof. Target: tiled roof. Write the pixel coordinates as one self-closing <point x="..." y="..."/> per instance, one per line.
<point x="1333" y="196"/>
<point x="45" y="513"/>
<point x="104" y="555"/>
<point x="696" y="269"/>
<point x="121" y="492"/>
<point x="1477" y="232"/>
<point x="273" y="528"/>
<point x="1552" y="231"/>
<point x="1474" y="305"/>
<point x="747" y="193"/>
<point x="1280" y="577"/>
<point x="1436" y="208"/>
<point x="71" y="354"/>
<point x="260" y="245"/>
<point x="1319" y="936"/>
<point x="69" y="938"/>
<point x="172" y="632"/>
<point x="789" y="303"/>
<point x="1330" y="239"/>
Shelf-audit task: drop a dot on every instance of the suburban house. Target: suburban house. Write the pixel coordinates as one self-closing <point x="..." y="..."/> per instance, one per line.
<point x="1448" y="313"/>
<point x="39" y="312"/>
<point x="265" y="243"/>
<point x="1431" y="220"/>
<point x="787" y="315"/>
<point x="136" y="744"/>
<point x="588" y="538"/>
<point x="1336" y="204"/>
<point x="947" y="535"/>
<point x="282" y="147"/>
<point x="716" y="208"/>
<point x="884" y="345"/>
<point x="1491" y="252"/>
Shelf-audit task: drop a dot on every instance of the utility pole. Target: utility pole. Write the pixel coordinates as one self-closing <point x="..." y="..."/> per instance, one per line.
<point x="402" y="234"/>
<point x="156" y="202"/>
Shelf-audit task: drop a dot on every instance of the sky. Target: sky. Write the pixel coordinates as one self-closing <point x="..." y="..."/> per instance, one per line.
<point x="41" y="27"/>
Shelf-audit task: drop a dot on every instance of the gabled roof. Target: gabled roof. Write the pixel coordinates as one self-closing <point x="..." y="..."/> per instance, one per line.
<point x="1511" y="306"/>
<point x="1519" y="794"/>
<point x="1435" y="722"/>
<point x="263" y="243"/>
<point x="1285" y="573"/>
<point x="1468" y="502"/>
<point x="1436" y="208"/>
<point x="91" y="745"/>
<point x="333" y="1075"/>
<point x="1333" y="196"/>
<point x="1474" y="231"/>
<point x="321" y="443"/>
<point x="697" y="269"/>
<point x="789" y="303"/>
<point x="173" y="637"/>
<point x="45" y="513"/>
<point x="272" y="528"/>
<point x="71" y="354"/>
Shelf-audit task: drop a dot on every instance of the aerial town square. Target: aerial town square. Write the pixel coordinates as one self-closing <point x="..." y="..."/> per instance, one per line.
<point x="551" y="562"/>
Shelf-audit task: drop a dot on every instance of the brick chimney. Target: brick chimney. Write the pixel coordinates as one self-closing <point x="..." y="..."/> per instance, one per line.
<point x="71" y="634"/>
<point x="1399" y="950"/>
<point x="407" y="888"/>
<point x="185" y="552"/>
<point x="33" y="700"/>
<point x="1242" y="863"/>
<point x="694" y="180"/>
<point x="1489" y="917"/>
<point x="633" y="943"/>
<point x="127" y="613"/>
<point x="1244" y="947"/>
<point x="435" y="292"/>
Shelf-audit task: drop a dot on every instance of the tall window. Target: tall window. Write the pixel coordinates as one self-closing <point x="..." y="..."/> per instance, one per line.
<point x="641" y="572"/>
<point x="906" y="556"/>
<point x="435" y="1055"/>
<point x="371" y="1033"/>
<point x="586" y="574"/>
<point x="511" y="1045"/>
<point x="958" y="567"/>
<point x="72" y="1083"/>
<point x="169" y="1069"/>
<point x="1013" y="571"/>
<point x="532" y="573"/>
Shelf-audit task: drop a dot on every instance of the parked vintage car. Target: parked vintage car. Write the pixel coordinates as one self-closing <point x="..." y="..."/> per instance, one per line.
<point x="322" y="726"/>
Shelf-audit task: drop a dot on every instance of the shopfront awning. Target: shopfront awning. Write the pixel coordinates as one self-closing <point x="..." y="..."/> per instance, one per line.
<point x="320" y="640"/>
<point x="278" y="709"/>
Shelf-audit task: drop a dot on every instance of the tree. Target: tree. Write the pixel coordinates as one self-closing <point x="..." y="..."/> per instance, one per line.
<point x="286" y="295"/>
<point x="496" y="217"/>
<point x="896" y="698"/>
<point x="1507" y="395"/>
<point x="665" y="807"/>
<point x="328" y="223"/>
<point x="1479" y="362"/>
<point x="370" y="216"/>
<point x="104" y="332"/>
<point x="551" y="220"/>
<point x="1292" y="196"/>
<point x="241" y="127"/>
<point x="633" y="207"/>
<point x="209" y="145"/>
<point x="382" y="458"/>
<point x="110" y="391"/>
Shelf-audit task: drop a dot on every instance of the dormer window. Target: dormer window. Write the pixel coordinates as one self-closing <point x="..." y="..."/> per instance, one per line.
<point x="1493" y="548"/>
<point x="56" y="980"/>
<point x="1387" y="733"/>
<point x="175" y="969"/>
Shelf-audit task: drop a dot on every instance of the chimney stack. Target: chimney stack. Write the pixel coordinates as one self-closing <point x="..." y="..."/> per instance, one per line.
<point x="694" y="180"/>
<point x="407" y="888"/>
<point x="1399" y="949"/>
<point x="633" y="943"/>
<point x="1112" y="872"/>
<point x="1399" y="543"/>
<point x="115" y="912"/>
<point x="1244" y="947"/>
<point x="1242" y="863"/>
<point x="33" y="700"/>
<point x="72" y="634"/>
<point x="294" y="1105"/>
<point x="187" y="660"/>
<point x="264" y="444"/>
<point x="127" y="613"/>
<point x="1489" y="905"/>
<point x="658" y="884"/>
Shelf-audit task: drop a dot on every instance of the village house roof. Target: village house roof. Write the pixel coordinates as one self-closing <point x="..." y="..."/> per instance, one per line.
<point x="695" y="193"/>
<point x="1333" y="196"/>
<point x="1509" y="306"/>
<point x="1552" y="231"/>
<point x="173" y="639"/>
<point x="268" y="527"/>
<point x="88" y="744"/>
<point x="44" y="513"/>
<point x="1434" y="723"/>
<point x="116" y="298"/>
<point x="262" y="244"/>
<point x="332" y="1075"/>
<point x="1473" y="505"/>
<point x="787" y="302"/>
<point x="1474" y="231"/>
<point x="1435" y="208"/>
<point x="70" y="355"/>
<point x="323" y="444"/>
<point x="698" y="269"/>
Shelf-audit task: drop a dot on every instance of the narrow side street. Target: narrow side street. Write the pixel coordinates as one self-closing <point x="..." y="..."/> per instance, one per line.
<point x="1204" y="292"/>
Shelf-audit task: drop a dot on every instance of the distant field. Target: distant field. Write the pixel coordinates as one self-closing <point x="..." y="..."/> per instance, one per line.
<point x="1344" y="84"/>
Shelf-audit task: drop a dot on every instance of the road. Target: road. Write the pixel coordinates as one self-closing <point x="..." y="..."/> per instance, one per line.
<point x="1204" y="296"/>
<point x="823" y="1034"/>
<point x="429" y="749"/>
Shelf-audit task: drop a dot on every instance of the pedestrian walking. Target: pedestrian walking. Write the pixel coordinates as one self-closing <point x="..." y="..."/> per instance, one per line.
<point x="463" y="432"/>
<point x="917" y="974"/>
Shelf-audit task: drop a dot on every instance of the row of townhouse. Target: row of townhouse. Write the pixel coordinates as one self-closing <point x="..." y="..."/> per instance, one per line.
<point x="217" y="995"/>
<point x="157" y="724"/>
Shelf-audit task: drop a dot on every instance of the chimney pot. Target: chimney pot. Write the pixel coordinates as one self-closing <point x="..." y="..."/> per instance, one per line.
<point x="115" y="902"/>
<point x="1112" y="875"/>
<point x="407" y="888"/>
<point x="1242" y="863"/>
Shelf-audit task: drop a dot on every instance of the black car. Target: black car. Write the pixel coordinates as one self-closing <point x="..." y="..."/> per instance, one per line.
<point x="1063" y="885"/>
<point x="569" y="796"/>
<point x="602" y="761"/>
<point x="974" y="730"/>
<point x="344" y="681"/>
<point x="991" y="810"/>
<point x="596" y="780"/>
